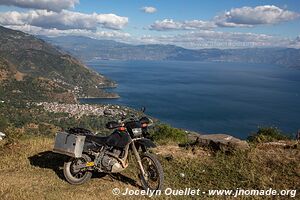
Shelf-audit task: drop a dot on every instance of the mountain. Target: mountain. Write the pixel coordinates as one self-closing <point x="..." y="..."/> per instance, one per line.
<point x="88" y="49"/>
<point x="287" y="57"/>
<point x="33" y="69"/>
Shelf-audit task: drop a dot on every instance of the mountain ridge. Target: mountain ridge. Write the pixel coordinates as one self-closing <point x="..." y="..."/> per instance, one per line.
<point x="26" y="60"/>
<point x="87" y="49"/>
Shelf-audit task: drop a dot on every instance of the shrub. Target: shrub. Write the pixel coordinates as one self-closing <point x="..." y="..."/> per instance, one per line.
<point x="3" y="123"/>
<point x="268" y="134"/>
<point x="14" y="134"/>
<point x="165" y="133"/>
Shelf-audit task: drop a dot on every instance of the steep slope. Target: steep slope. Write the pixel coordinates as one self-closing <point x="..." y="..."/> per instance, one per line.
<point x="6" y="70"/>
<point x="26" y="58"/>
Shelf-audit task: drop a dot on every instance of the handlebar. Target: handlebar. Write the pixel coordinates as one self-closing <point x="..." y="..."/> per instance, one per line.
<point x="124" y="119"/>
<point x="130" y="118"/>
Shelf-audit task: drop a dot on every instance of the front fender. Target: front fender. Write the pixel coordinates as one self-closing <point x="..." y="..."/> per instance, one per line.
<point x="145" y="142"/>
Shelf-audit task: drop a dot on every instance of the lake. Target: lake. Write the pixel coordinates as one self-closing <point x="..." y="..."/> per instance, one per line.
<point x="231" y="98"/>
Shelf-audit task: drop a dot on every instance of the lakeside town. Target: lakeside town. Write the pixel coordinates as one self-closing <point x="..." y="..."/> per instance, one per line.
<point x="78" y="110"/>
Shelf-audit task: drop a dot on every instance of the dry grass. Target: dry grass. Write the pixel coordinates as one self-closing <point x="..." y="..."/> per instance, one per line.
<point x="29" y="170"/>
<point x="19" y="76"/>
<point x="174" y="151"/>
<point x="3" y="75"/>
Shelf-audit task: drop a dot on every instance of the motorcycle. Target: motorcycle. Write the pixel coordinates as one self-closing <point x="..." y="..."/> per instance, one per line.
<point x="110" y="154"/>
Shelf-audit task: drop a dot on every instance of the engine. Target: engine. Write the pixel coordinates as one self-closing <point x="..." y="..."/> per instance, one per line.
<point x="111" y="164"/>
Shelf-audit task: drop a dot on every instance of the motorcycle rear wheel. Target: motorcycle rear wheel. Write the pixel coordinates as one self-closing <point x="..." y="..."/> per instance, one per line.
<point x="77" y="177"/>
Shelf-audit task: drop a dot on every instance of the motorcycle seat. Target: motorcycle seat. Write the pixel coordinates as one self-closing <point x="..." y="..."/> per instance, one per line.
<point x="98" y="139"/>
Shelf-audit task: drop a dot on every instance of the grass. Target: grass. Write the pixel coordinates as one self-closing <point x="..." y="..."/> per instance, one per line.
<point x="29" y="170"/>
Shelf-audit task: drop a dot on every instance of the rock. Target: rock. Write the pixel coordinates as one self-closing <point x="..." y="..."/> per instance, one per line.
<point x="221" y="142"/>
<point x="2" y="135"/>
<point x="282" y="144"/>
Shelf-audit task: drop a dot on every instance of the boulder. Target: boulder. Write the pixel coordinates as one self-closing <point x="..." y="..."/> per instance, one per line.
<point x="2" y="135"/>
<point x="221" y="142"/>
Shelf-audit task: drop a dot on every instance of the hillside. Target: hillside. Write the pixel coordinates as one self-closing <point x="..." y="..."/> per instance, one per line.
<point x="37" y="172"/>
<point x="87" y="49"/>
<point x="28" y="63"/>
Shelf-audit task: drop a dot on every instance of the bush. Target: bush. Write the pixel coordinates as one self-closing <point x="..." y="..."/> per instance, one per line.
<point x="268" y="134"/>
<point x="3" y="123"/>
<point x="14" y="134"/>
<point x="165" y="133"/>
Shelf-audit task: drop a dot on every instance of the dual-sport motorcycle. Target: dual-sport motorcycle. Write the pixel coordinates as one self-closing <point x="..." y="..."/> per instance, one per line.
<point x="110" y="154"/>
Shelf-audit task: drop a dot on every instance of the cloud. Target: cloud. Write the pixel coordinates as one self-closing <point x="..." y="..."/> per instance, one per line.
<point x="236" y="17"/>
<point x="250" y="16"/>
<point x="192" y="40"/>
<point x="149" y="9"/>
<point x="198" y="33"/>
<point x="75" y="32"/>
<point x="169" y="24"/>
<point x="217" y="39"/>
<point x="53" y="5"/>
<point x="63" y="20"/>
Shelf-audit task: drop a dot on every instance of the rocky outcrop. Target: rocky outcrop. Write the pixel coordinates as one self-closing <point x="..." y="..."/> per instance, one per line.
<point x="222" y="142"/>
<point x="2" y="135"/>
<point x="285" y="144"/>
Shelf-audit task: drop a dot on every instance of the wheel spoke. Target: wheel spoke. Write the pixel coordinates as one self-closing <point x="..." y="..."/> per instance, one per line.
<point x="77" y="173"/>
<point x="152" y="171"/>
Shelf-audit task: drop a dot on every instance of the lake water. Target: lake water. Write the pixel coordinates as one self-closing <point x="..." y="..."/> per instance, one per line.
<point x="208" y="97"/>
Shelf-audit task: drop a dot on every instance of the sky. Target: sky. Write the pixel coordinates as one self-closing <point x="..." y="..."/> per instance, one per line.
<point x="191" y="24"/>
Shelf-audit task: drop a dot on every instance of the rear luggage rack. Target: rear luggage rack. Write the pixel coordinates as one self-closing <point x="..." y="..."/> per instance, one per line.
<point x="69" y="144"/>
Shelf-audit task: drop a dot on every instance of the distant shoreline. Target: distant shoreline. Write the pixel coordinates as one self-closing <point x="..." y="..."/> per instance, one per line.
<point x="116" y="97"/>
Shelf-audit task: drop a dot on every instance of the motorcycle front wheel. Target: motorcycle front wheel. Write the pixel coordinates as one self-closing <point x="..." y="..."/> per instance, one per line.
<point x="154" y="171"/>
<point x="77" y="176"/>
